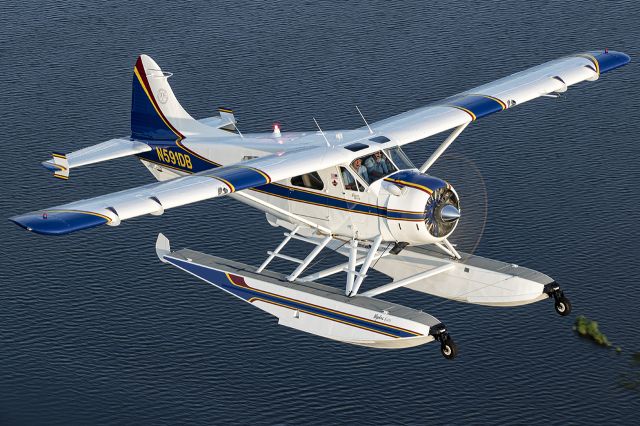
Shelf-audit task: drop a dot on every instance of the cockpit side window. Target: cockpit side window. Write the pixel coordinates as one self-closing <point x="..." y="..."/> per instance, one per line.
<point x="358" y="167"/>
<point x="399" y="158"/>
<point x="309" y="180"/>
<point x="349" y="180"/>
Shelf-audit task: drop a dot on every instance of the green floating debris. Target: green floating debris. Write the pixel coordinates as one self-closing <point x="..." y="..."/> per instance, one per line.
<point x="589" y="329"/>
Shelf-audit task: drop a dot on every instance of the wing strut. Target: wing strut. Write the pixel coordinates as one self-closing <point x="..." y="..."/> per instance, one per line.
<point x="438" y="152"/>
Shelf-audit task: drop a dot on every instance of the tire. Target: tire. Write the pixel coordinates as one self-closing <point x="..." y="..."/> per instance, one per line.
<point x="563" y="306"/>
<point x="448" y="348"/>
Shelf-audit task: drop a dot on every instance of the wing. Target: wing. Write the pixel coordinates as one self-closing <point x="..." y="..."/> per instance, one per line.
<point x="155" y="198"/>
<point x="551" y="77"/>
<point x="555" y="76"/>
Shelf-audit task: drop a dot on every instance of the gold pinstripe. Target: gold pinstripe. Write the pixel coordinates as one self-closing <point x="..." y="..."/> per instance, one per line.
<point x="592" y="59"/>
<point x="339" y="208"/>
<point x="264" y="174"/>
<point x="411" y="184"/>
<point x="326" y="317"/>
<point x="473" y="116"/>
<point x="311" y="202"/>
<point x="151" y="99"/>
<point x="324" y="308"/>
<point x="502" y="104"/>
<point x="226" y="182"/>
<point x="79" y="211"/>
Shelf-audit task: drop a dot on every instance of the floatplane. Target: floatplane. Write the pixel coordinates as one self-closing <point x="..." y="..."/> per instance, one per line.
<point x="351" y="191"/>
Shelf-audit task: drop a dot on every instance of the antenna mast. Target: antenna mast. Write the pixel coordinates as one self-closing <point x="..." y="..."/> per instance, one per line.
<point x="321" y="132"/>
<point x="364" y="119"/>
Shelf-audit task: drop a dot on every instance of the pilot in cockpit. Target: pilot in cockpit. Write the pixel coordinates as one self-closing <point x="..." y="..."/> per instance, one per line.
<point x="349" y="181"/>
<point x="377" y="166"/>
<point x="360" y="169"/>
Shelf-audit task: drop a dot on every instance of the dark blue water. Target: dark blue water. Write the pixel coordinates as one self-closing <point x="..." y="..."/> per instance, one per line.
<point x="94" y="330"/>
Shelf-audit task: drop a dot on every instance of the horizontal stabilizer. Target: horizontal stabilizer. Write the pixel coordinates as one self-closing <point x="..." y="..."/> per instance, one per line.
<point x="114" y="148"/>
<point x="60" y="165"/>
<point x="225" y="121"/>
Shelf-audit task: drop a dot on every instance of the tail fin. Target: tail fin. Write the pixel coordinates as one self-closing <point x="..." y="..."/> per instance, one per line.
<point x="156" y="114"/>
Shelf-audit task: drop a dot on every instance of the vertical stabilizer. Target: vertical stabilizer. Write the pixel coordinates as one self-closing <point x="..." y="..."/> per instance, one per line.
<point x="156" y="114"/>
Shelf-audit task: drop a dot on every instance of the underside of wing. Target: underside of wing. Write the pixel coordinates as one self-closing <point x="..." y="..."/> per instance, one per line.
<point x="549" y="78"/>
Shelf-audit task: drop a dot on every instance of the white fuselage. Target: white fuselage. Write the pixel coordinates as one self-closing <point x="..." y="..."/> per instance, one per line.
<point x="361" y="211"/>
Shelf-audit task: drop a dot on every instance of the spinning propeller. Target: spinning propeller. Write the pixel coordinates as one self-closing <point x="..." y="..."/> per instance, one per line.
<point x="443" y="210"/>
<point x="471" y="209"/>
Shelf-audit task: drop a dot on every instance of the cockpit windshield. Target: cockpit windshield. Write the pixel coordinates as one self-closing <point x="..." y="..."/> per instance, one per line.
<point x="378" y="165"/>
<point x="399" y="158"/>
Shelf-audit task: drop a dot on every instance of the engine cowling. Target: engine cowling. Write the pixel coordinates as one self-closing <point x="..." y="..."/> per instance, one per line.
<point x="427" y="210"/>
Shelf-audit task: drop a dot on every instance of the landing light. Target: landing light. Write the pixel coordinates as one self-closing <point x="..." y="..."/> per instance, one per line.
<point x="276" y="130"/>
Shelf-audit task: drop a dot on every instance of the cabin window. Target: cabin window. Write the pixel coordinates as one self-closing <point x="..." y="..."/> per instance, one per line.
<point x="350" y="181"/>
<point x="310" y="180"/>
<point x="399" y="158"/>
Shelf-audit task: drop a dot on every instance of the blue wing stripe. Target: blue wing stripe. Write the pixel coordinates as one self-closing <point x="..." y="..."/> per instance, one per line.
<point x="479" y="105"/>
<point x="241" y="177"/>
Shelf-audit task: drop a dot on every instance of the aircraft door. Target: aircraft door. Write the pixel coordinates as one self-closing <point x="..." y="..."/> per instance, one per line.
<point x="354" y="206"/>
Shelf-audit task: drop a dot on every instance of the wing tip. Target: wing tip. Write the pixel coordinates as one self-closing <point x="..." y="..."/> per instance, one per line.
<point x="609" y="60"/>
<point x="58" y="222"/>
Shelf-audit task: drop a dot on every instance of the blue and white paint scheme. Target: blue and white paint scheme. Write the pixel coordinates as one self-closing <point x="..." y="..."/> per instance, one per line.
<point x="352" y="191"/>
